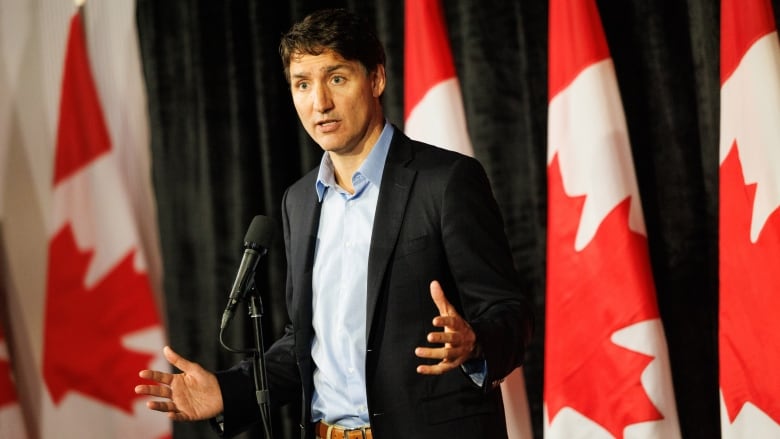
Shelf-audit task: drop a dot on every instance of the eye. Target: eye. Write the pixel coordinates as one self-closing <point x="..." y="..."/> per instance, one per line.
<point x="338" y="79"/>
<point x="303" y="85"/>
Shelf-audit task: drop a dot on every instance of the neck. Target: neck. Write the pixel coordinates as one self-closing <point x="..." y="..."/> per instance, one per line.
<point x="343" y="169"/>
<point x="344" y="166"/>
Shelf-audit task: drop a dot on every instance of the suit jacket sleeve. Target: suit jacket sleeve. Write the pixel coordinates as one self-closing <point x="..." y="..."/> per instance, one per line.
<point x="483" y="269"/>
<point x="237" y="385"/>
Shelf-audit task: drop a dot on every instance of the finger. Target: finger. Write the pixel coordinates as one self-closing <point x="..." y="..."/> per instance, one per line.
<point x="156" y="376"/>
<point x="157" y="391"/>
<point x="437" y="294"/>
<point x="447" y="353"/>
<point x="178" y="416"/>
<point x="161" y="406"/>
<point x="432" y="353"/>
<point x="453" y="321"/>
<point x="443" y="337"/>
<point x="436" y="369"/>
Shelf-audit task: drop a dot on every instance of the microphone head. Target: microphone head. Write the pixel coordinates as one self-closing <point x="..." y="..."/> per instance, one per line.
<point x="260" y="233"/>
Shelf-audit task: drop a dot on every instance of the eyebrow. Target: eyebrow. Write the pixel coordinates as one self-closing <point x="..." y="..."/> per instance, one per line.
<point x="326" y="69"/>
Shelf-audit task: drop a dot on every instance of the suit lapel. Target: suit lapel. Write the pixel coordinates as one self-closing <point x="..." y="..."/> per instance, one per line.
<point x="397" y="182"/>
<point x="304" y="221"/>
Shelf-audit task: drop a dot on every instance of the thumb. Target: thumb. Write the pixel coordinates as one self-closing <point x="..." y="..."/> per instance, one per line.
<point x="177" y="360"/>
<point x="437" y="294"/>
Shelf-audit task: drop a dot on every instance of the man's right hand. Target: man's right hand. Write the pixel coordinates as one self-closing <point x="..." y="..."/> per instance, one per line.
<point x="192" y="395"/>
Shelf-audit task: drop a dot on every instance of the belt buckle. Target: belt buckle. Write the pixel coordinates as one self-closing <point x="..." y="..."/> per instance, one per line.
<point x="347" y="432"/>
<point x="336" y="432"/>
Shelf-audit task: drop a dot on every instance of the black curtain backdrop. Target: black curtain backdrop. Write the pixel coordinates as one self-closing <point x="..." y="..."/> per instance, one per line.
<point x="226" y="143"/>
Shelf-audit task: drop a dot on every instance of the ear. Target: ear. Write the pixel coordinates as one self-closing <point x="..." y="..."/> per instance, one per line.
<point x="378" y="81"/>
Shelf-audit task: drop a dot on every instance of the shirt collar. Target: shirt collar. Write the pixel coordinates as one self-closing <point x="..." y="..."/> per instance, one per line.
<point x="371" y="169"/>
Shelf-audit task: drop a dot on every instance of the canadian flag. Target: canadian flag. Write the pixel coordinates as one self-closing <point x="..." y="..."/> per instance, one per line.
<point x="749" y="335"/>
<point x="433" y="112"/>
<point x="433" y="106"/>
<point x="101" y="320"/>
<point x="11" y="420"/>
<point x="607" y="372"/>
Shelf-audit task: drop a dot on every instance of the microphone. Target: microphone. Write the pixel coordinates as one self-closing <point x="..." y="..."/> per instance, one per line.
<point x="256" y="242"/>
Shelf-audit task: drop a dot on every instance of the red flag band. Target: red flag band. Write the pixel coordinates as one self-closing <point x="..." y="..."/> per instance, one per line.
<point x="101" y="321"/>
<point x="749" y="342"/>
<point x="606" y="364"/>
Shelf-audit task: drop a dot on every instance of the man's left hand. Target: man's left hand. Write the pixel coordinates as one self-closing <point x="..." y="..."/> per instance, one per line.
<point x="457" y="338"/>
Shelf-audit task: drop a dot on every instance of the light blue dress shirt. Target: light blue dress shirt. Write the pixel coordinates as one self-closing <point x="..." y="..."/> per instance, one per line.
<point x="339" y="284"/>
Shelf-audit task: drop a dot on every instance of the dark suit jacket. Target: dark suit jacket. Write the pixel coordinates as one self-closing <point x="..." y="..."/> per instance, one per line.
<point x="436" y="219"/>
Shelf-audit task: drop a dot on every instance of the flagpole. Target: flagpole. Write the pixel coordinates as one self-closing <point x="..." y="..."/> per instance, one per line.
<point x="81" y="12"/>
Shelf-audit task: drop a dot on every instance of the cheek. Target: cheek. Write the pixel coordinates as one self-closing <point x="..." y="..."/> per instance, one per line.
<point x="300" y="107"/>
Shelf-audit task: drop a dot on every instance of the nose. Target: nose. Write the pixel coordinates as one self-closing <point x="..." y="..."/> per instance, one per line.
<point x="322" y="99"/>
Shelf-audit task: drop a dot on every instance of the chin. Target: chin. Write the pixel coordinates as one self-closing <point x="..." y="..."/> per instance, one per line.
<point x="329" y="144"/>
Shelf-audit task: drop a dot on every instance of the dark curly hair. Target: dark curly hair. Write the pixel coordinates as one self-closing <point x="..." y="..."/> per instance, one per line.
<point x="333" y="29"/>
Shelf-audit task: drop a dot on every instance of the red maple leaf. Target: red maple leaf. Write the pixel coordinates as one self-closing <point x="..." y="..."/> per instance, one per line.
<point x="749" y="298"/>
<point x="83" y="349"/>
<point x="591" y="294"/>
<point x="7" y="387"/>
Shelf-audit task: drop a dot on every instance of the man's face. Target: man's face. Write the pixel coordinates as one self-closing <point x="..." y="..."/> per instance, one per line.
<point x="337" y="101"/>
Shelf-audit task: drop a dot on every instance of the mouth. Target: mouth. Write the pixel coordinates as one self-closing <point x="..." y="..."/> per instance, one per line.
<point x="327" y="125"/>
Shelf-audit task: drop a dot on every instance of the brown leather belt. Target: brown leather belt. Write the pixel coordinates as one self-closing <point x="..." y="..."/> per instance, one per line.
<point x="327" y="431"/>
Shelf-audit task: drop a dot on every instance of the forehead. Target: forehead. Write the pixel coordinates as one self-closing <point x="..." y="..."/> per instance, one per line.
<point x="308" y="64"/>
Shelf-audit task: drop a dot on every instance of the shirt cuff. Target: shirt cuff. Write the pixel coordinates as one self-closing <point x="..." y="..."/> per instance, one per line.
<point x="476" y="369"/>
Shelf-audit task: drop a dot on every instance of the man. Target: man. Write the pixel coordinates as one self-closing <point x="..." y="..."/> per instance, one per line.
<point x="387" y="238"/>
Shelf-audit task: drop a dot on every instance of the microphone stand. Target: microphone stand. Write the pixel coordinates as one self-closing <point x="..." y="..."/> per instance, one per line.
<point x="258" y="360"/>
<point x="258" y="357"/>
